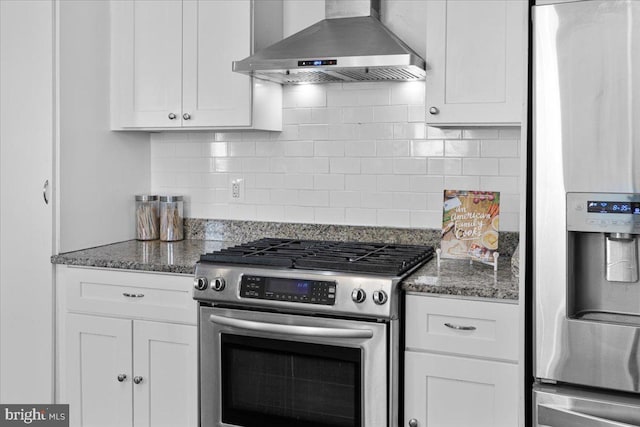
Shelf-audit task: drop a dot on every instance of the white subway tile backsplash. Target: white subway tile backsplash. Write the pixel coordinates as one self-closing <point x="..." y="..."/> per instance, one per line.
<point x="344" y="165"/>
<point x="376" y="165"/>
<point x="357" y="115"/>
<point x="314" y="132"/>
<point x="500" y="148"/>
<point x="360" y="182"/>
<point x="345" y="199"/>
<point x="427" y="148"/>
<point x="360" y="149"/>
<point x="390" y="113"/>
<point x="328" y="182"/>
<point x="410" y="166"/>
<point x="329" y="215"/>
<point x="480" y="166"/>
<point x="358" y="216"/>
<point x="392" y="148"/>
<point x="356" y="154"/>
<point x="298" y="148"/>
<point x="377" y="200"/>
<point x="329" y="148"/>
<point x="394" y="218"/>
<point x="444" y="166"/>
<point x="461" y="148"/>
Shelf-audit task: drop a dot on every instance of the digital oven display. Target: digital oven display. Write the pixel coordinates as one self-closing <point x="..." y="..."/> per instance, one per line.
<point x="287" y="286"/>
<point x="596" y="206"/>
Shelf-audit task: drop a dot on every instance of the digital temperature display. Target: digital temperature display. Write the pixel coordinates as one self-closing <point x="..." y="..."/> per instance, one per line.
<point x="597" y="206"/>
<point x="287" y="286"/>
<point x="317" y="62"/>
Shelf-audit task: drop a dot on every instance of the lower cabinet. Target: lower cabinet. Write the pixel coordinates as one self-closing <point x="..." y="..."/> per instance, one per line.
<point x="450" y="391"/>
<point x="124" y="370"/>
<point x="461" y="363"/>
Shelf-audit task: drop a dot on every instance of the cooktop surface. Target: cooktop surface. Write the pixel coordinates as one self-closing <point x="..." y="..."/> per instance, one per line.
<point x="373" y="258"/>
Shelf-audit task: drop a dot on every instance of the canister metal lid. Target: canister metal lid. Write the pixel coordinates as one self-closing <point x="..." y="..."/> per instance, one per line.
<point x="146" y="197"/>
<point x="170" y="199"/>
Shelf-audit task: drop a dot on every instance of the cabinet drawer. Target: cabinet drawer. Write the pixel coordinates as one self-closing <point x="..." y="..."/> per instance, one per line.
<point x="474" y="328"/>
<point x="145" y="295"/>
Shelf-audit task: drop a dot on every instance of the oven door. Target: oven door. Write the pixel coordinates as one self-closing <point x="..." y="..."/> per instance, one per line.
<point x="269" y="369"/>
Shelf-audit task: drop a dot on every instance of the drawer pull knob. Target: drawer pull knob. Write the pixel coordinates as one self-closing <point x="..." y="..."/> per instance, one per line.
<point x="137" y="380"/>
<point x="413" y="422"/>
<point x="130" y="295"/>
<point x="122" y="377"/>
<point x="460" y="327"/>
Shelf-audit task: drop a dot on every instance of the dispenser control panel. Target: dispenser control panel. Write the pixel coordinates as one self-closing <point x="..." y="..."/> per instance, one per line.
<point x="603" y="212"/>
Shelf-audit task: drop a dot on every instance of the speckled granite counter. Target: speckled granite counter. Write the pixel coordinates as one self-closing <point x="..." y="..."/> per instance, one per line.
<point x="459" y="278"/>
<point x="454" y="278"/>
<point x="175" y="257"/>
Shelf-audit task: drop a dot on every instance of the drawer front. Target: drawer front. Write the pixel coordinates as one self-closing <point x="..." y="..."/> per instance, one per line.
<point x="473" y="328"/>
<point x="144" y="295"/>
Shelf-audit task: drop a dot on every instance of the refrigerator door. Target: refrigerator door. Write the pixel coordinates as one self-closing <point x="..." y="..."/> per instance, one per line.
<point x="568" y="407"/>
<point x="586" y="105"/>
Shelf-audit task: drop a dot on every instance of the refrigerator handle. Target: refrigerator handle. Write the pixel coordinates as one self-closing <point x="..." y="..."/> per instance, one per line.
<point x="554" y="416"/>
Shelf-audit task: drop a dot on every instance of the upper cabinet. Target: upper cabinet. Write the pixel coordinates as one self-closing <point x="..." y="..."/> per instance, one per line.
<point x="171" y="65"/>
<point x="476" y="57"/>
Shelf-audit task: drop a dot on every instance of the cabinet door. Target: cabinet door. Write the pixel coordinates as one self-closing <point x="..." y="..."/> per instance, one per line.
<point x="475" y="61"/>
<point x="215" y="34"/>
<point x="448" y="391"/>
<point x="98" y="350"/>
<point x="165" y="359"/>
<point x="26" y="221"/>
<point x="147" y="63"/>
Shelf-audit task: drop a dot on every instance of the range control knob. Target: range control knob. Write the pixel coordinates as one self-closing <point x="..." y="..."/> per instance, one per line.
<point x="200" y="283"/>
<point x="218" y="284"/>
<point x="358" y="295"/>
<point x="380" y="297"/>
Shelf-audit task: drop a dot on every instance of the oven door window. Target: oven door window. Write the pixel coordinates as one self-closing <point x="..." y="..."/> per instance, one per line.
<point x="267" y="382"/>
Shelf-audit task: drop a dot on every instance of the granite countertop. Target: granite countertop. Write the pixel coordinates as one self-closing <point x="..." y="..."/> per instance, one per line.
<point x="454" y="277"/>
<point x="460" y="278"/>
<point x="165" y="257"/>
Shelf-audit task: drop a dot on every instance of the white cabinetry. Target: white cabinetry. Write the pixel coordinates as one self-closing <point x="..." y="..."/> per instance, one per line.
<point x="476" y="56"/>
<point x="127" y="360"/>
<point x="461" y="363"/>
<point x="171" y="66"/>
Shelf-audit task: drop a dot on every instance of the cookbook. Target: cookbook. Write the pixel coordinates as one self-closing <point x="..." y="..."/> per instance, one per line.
<point x="470" y="224"/>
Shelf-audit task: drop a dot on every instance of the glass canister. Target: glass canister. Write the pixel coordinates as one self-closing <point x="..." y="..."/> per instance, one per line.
<point x="147" y="217"/>
<point x="171" y="218"/>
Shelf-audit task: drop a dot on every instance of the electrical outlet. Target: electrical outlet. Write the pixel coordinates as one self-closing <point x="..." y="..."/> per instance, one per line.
<point x="237" y="190"/>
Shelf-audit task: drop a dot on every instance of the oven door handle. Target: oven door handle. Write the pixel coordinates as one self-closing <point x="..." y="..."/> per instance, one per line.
<point x="561" y="417"/>
<point x="307" y="331"/>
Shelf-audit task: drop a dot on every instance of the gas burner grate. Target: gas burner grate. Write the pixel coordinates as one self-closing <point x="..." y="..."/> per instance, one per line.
<point x="374" y="258"/>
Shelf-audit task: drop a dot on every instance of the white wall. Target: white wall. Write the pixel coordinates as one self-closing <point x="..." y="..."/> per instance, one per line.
<point x="100" y="171"/>
<point x="353" y="153"/>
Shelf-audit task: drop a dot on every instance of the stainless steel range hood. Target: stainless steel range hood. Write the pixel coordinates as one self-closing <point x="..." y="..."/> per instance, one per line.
<point x="343" y="48"/>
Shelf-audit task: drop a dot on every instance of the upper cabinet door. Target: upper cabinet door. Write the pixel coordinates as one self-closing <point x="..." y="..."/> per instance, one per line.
<point x="215" y="34"/>
<point x="147" y="68"/>
<point x="475" y="62"/>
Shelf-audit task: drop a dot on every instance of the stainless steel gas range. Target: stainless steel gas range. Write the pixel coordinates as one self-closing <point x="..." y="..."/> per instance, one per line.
<point x="301" y="333"/>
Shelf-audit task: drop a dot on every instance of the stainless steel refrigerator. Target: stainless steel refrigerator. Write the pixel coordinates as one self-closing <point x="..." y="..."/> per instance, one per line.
<point x="586" y="211"/>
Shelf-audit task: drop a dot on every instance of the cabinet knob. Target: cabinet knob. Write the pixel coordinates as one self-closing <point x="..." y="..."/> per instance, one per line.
<point x="186" y="116"/>
<point x="413" y="422"/>
<point x="122" y="377"/>
<point x="172" y="116"/>
<point x="137" y="379"/>
<point x="434" y="110"/>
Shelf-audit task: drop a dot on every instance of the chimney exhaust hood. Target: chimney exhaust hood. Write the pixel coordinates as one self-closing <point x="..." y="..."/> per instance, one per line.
<point x="350" y="45"/>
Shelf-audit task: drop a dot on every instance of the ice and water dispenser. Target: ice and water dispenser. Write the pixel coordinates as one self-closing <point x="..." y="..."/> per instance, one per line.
<point x="603" y="233"/>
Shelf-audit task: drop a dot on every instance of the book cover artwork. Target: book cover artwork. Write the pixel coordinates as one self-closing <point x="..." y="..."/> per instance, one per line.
<point x="470" y="224"/>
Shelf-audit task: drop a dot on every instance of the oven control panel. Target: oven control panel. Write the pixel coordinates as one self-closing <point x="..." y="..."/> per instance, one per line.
<point x="286" y="289"/>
